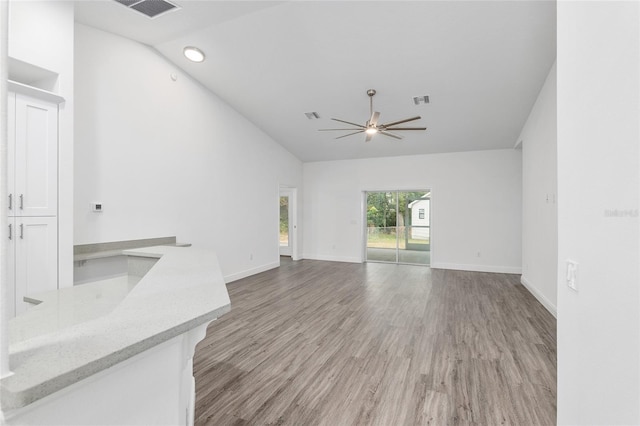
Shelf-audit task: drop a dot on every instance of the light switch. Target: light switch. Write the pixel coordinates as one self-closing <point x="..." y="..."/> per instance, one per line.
<point x="572" y="275"/>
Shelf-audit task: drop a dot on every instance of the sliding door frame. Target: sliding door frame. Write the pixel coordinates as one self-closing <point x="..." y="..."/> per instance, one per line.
<point x="364" y="227"/>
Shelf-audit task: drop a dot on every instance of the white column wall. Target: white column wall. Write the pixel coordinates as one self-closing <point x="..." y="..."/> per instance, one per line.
<point x="598" y="202"/>
<point x="5" y="291"/>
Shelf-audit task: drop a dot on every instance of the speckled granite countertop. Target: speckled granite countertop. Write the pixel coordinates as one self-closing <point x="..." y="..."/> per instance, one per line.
<point x="84" y="252"/>
<point x="80" y="331"/>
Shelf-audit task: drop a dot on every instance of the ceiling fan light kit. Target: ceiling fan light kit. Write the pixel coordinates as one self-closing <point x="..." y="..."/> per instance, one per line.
<point x="372" y="127"/>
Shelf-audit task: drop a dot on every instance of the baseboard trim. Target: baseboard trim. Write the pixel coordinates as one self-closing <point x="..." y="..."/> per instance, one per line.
<point x="247" y="273"/>
<point x="478" y="268"/>
<point x="330" y="258"/>
<point x="541" y="298"/>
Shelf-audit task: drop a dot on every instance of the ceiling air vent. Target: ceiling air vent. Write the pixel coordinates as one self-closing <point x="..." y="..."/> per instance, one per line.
<point x="150" y="8"/>
<point x="424" y="99"/>
<point x="312" y="115"/>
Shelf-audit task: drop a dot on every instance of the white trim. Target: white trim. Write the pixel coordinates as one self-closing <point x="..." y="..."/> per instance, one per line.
<point x="541" y="298"/>
<point x="34" y="92"/>
<point x="292" y="249"/>
<point x="478" y="268"/>
<point x="332" y="258"/>
<point x="247" y="273"/>
<point x="364" y="229"/>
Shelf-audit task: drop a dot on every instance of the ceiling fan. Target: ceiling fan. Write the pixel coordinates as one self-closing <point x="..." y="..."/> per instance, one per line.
<point x="372" y="127"/>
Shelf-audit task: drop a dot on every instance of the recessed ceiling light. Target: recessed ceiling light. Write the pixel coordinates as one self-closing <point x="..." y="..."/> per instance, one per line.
<point x="193" y="54"/>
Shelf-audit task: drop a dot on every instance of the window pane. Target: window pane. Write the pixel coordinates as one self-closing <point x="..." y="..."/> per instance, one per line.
<point x="284" y="221"/>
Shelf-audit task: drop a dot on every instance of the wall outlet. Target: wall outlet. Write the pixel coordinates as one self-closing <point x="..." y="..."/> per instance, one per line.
<point x="572" y="275"/>
<point x="251" y="256"/>
<point x="478" y="254"/>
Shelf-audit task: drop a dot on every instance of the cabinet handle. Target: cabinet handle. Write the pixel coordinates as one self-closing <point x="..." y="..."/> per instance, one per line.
<point x="21" y="201"/>
<point x="10" y="201"/>
<point x="10" y="229"/>
<point x="22" y="231"/>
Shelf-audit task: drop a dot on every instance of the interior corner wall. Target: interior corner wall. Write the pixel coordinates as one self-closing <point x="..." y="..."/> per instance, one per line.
<point x="170" y="158"/>
<point x="476" y="206"/>
<point x="41" y="34"/>
<point x="539" y="197"/>
<point x="598" y="219"/>
<point x="5" y="288"/>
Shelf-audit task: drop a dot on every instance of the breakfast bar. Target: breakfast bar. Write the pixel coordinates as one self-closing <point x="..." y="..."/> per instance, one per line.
<point x="124" y="342"/>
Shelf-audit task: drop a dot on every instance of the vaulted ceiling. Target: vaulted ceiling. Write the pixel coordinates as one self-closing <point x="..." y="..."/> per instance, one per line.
<point x="482" y="64"/>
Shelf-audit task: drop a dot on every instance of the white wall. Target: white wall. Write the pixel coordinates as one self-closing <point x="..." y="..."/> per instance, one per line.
<point x="170" y="158"/>
<point x="41" y="34"/>
<point x="599" y="173"/>
<point x="476" y="206"/>
<point x="5" y="289"/>
<point x="539" y="197"/>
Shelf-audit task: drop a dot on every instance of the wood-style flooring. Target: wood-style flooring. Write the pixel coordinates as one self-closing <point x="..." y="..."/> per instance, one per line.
<point x="327" y="343"/>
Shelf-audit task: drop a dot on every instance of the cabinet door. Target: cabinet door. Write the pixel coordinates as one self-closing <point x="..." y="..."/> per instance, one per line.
<point x="11" y="152"/>
<point x="11" y="268"/>
<point x="36" y="259"/>
<point x="36" y="157"/>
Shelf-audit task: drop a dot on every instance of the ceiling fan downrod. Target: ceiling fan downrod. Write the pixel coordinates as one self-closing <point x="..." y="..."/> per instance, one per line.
<point x="371" y="93"/>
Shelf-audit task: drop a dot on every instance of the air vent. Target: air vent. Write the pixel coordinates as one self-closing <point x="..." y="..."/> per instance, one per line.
<point x="421" y="99"/>
<point x="150" y="8"/>
<point x="312" y="115"/>
<point x="127" y="2"/>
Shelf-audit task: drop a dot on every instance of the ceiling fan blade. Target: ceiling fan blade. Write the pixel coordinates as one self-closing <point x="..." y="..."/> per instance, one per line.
<point x="374" y="119"/>
<point x="327" y="130"/>
<point x="348" y="122"/>
<point x="389" y="134"/>
<point x="344" y="136"/>
<point x="393" y="123"/>
<point x="405" y="128"/>
<point x="368" y="138"/>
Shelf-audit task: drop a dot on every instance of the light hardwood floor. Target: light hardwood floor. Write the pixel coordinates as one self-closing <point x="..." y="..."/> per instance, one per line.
<point x="326" y="343"/>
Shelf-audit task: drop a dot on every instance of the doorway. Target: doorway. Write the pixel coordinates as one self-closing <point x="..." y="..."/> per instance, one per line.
<point x="398" y="227"/>
<point x="287" y="223"/>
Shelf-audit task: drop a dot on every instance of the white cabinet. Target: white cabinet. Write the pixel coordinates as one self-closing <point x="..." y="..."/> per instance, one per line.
<point x="32" y="153"/>
<point x="33" y="249"/>
<point x="33" y="156"/>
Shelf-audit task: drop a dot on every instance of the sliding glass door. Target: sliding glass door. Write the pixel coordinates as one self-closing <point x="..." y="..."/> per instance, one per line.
<point x="398" y="227"/>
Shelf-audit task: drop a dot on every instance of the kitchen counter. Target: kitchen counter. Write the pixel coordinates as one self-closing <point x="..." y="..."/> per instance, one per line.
<point x="75" y="333"/>
<point x="84" y="252"/>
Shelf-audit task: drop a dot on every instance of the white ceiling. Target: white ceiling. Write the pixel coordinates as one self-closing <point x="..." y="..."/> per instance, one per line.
<point x="481" y="62"/>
